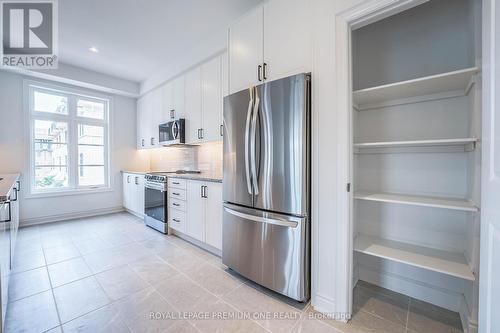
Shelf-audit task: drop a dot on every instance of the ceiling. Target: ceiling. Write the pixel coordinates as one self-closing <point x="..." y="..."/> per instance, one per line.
<point x="135" y="38"/>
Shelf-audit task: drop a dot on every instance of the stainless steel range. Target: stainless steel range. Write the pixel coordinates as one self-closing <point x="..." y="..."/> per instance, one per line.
<point x="155" y="199"/>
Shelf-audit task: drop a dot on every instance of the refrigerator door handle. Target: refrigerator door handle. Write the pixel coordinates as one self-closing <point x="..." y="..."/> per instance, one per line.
<point x="289" y="222"/>
<point x="247" y="139"/>
<point x="252" y="143"/>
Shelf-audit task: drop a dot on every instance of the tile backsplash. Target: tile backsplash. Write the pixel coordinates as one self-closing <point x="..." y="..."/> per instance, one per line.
<point x="206" y="157"/>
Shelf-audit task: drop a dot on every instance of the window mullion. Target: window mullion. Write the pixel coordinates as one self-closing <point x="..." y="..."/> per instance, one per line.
<point x="73" y="143"/>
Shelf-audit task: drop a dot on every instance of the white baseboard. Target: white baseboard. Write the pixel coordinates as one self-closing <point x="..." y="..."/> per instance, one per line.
<point x="323" y="304"/>
<point x="469" y="325"/>
<point x="447" y="299"/>
<point x="141" y="216"/>
<point x="196" y="242"/>
<point x="69" y="216"/>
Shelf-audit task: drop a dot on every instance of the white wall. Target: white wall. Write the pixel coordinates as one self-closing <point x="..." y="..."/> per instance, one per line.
<point x="204" y="50"/>
<point x="14" y="155"/>
<point x="327" y="295"/>
<point x="85" y="78"/>
<point x="432" y="38"/>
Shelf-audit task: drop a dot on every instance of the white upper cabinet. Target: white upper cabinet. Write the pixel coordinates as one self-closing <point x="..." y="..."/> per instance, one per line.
<point x="173" y="100"/>
<point x="145" y="120"/>
<point x="246" y="50"/>
<point x="178" y="97"/>
<point x="195" y="96"/>
<point x="192" y="111"/>
<point x="142" y="113"/>
<point x="287" y="42"/>
<point x="168" y="102"/>
<point x="212" y="99"/>
<point x="155" y="117"/>
<point x="270" y="42"/>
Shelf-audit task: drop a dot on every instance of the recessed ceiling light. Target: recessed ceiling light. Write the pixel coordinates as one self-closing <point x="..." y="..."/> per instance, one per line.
<point x="93" y="49"/>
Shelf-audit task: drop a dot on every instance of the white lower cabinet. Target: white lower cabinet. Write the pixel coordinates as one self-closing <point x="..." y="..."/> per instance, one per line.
<point x="133" y="193"/>
<point x="213" y="215"/>
<point x="199" y="215"/>
<point x="9" y="224"/>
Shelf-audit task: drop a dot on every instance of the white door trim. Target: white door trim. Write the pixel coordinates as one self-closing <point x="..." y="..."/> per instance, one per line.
<point x="345" y="22"/>
<point x="490" y="231"/>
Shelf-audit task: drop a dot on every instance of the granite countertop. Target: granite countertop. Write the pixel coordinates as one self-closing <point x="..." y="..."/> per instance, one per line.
<point x="7" y="182"/>
<point x="204" y="176"/>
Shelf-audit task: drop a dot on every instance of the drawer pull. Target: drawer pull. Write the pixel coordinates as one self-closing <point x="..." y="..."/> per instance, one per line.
<point x="176" y="204"/>
<point x="175" y="183"/>
<point x="174" y="193"/>
<point x="176" y="220"/>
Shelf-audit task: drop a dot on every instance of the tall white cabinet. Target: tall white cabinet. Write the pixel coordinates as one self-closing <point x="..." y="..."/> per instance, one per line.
<point x="416" y="124"/>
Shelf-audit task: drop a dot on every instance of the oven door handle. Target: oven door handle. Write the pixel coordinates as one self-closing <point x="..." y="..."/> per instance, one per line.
<point x="152" y="187"/>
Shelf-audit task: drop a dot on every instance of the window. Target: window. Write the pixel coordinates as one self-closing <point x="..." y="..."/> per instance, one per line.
<point x="69" y="134"/>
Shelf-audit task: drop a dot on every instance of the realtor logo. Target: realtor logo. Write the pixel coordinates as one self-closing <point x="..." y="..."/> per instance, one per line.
<point x="29" y="34"/>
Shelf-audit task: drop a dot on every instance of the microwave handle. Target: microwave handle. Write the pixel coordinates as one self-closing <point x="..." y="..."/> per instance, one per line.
<point x="175" y="130"/>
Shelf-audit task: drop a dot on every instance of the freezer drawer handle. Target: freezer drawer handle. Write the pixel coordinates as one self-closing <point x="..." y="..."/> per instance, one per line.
<point x="260" y="219"/>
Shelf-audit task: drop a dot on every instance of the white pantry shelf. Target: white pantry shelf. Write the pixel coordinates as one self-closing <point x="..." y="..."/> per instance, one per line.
<point x="451" y="84"/>
<point x="449" y="263"/>
<point x="417" y="200"/>
<point x="419" y="143"/>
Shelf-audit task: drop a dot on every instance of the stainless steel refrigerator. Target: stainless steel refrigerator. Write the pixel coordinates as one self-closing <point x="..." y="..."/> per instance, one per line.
<point x="266" y="185"/>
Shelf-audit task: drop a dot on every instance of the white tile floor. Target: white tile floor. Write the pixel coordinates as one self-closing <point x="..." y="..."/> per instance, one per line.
<point x="111" y="273"/>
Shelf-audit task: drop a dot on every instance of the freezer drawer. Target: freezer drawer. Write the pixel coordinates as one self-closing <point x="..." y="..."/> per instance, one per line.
<point x="270" y="249"/>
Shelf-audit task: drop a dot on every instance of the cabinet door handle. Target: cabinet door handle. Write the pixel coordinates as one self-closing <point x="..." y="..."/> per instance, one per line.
<point x="136" y="181"/>
<point x="176" y="220"/>
<point x="172" y="114"/>
<point x="259" y="73"/>
<point x="128" y="179"/>
<point x="142" y="142"/>
<point x="201" y="133"/>
<point x="10" y="212"/>
<point x="221" y="130"/>
<point x="265" y="71"/>
<point x="152" y="141"/>
<point x="201" y="191"/>
<point x="15" y="191"/>
<point x="205" y="195"/>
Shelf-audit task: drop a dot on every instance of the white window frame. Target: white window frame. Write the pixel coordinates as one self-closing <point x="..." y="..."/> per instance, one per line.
<point x="73" y="121"/>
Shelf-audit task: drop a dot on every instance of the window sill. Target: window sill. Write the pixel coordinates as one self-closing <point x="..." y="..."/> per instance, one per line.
<point x="69" y="192"/>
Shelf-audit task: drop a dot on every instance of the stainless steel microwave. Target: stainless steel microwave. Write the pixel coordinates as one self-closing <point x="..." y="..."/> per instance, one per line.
<point x="173" y="132"/>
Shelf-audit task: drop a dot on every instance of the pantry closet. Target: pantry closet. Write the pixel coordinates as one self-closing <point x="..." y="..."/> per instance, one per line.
<point x="416" y="160"/>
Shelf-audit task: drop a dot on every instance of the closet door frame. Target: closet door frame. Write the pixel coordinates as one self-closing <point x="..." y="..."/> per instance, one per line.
<point x="345" y="22"/>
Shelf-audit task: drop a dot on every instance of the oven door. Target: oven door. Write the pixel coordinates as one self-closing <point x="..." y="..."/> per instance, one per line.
<point x="155" y="204"/>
